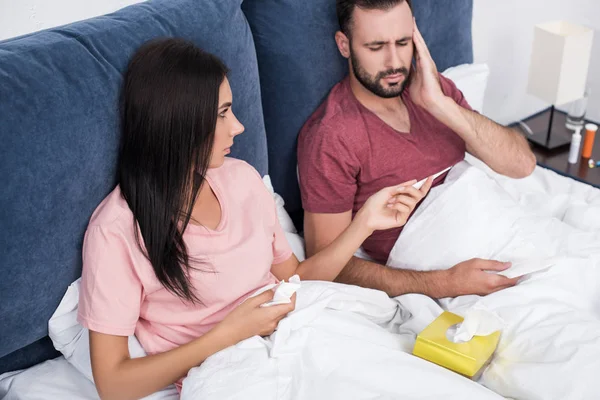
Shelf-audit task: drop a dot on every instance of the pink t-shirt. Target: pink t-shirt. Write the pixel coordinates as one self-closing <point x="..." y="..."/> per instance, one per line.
<point x="346" y="153"/>
<point x="120" y="294"/>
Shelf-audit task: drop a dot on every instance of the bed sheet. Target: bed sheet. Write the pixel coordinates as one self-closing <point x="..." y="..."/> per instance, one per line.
<point x="57" y="379"/>
<point x="53" y="379"/>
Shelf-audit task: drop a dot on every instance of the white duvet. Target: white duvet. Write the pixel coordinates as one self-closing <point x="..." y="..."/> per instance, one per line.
<point x="550" y="347"/>
<point x="342" y="342"/>
<point x="346" y="342"/>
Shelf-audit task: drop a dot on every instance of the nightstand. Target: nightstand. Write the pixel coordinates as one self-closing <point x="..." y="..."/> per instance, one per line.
<point x="556" y="160"/>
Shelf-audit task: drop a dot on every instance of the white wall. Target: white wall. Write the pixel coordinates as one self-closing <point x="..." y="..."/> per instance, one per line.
<point x="18" y="17"/>
<point x="503" y="35"/>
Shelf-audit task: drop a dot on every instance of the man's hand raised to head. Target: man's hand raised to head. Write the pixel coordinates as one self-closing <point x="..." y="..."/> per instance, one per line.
<point x="425" y="88"/>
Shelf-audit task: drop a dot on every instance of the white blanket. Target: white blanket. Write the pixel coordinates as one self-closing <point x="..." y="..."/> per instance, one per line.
<point x="550" y="348"/>
<point x="342" y="342"/>
<point x="346" y="342"/>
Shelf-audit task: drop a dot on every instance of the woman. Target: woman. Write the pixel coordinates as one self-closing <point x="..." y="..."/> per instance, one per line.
<point x="174" y="252"/>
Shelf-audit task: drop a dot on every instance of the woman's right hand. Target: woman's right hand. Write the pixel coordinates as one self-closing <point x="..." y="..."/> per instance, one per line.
<point x="117" y="375"/>
<point x="250" y="319"/>
<point x="392" y="206"/>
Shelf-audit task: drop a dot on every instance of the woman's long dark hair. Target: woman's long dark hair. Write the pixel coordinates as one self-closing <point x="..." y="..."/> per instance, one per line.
<point x="169" y="106"/>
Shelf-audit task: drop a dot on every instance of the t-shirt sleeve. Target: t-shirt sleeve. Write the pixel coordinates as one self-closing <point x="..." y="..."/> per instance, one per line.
<point x="449" y="88"/>
<point x="111" y="292"/>
<point x="327" y="169"/>
<point x="282" y="250"/>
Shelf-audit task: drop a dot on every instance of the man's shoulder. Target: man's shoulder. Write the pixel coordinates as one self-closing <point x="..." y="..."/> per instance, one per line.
<point x="335" y="115"/>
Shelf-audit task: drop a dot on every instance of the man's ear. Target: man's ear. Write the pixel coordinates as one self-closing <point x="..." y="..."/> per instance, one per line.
<point x="343" y="44"/>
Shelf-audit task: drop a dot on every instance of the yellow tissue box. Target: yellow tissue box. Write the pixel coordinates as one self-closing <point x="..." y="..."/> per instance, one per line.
<point x="465" y="358"/>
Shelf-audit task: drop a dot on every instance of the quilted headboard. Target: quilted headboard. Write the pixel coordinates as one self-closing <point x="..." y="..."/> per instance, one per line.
<point x="299" y="63"/>
<point x="59" y="135"/>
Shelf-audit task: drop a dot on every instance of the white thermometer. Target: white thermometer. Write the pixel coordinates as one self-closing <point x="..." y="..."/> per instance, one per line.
<point x="422" y="181"/>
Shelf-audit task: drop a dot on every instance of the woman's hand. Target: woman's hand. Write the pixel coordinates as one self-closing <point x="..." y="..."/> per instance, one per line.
<point x="391" y="206"/>
<point x="250" y="319"/>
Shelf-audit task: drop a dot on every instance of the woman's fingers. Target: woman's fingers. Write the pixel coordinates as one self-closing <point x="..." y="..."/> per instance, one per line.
<point x="401" y="208"/>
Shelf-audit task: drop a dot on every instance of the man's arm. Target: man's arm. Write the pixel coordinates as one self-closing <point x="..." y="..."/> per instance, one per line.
<point x="465" y="278"/>
<point x="502" y="149"/>
<point x="321" y="229"/>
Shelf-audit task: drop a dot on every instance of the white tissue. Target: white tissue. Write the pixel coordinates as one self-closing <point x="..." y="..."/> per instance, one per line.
<point x="283" y="291"/>
<point x="478" y="321"/>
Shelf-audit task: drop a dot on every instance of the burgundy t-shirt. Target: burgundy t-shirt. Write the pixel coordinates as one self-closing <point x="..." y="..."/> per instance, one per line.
<point x="346" y="153"/>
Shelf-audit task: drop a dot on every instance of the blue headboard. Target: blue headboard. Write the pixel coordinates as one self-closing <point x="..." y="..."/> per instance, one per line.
<point x="299" y="63"/>
<point x="59" y="135"/>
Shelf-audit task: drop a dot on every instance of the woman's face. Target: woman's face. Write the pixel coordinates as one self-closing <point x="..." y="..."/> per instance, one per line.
<point x="228" y="127"/>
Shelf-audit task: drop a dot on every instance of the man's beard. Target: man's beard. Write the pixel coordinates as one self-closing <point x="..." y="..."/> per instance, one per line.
<point x="373" y="84"/>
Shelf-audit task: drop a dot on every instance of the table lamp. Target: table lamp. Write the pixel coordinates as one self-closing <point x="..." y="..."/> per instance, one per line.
<point x="558" y="73"/>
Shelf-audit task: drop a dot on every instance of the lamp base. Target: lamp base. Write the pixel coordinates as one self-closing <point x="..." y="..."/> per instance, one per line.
<point x="551" y="123"/>
<point x="557" y="141"/>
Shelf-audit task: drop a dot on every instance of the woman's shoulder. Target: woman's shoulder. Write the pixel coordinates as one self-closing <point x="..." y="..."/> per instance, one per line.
<point x="110" y="235"/>
<point x="112" y="213"/>
<point x="239" y="170"/>
<point x="239" y="179"/>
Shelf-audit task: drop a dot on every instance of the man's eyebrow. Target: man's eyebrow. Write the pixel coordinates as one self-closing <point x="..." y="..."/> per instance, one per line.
<point x="382" y="42"/>
<point x="376" y="43"/>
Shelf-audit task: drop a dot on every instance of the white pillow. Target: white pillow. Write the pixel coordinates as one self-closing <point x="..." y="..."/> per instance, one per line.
<point x="284" y="217"/>
<point x="72" y="339"/>
<point x="471" y="80"/>
<point x="295" y="241"/>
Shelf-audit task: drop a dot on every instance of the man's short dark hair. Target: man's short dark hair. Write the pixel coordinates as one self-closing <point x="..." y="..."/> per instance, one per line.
<point x="345" y="9"/>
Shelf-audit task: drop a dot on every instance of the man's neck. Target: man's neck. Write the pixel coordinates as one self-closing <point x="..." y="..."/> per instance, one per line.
<point x="373" y="102"/>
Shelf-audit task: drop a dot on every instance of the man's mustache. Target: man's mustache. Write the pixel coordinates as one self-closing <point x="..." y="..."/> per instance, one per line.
<point x="389" y="72"/>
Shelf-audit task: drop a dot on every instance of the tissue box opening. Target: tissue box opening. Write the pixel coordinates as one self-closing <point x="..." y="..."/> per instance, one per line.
<point x="467" y="358"/>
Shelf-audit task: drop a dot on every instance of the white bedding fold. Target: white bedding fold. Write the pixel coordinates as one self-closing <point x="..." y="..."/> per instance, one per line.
<point x="354" y="343"/>
<point x="342" y="342"/>
<point x="550" y="348"/>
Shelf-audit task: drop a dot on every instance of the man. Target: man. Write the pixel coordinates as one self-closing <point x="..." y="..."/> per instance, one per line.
<point x="390" y="122"/>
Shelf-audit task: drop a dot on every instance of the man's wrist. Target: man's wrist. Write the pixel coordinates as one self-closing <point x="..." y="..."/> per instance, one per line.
<point x="443" y="108"/>
<point x="441" y="284"/>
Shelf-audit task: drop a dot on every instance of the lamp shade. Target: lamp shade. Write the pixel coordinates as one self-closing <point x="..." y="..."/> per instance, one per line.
<point x="559" y="61"/>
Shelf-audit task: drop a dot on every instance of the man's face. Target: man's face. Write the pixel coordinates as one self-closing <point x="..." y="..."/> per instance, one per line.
<point x="381" y="49"/>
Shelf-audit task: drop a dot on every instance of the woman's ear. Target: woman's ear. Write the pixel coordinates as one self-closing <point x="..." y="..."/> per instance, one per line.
<point x="343" y="44"/>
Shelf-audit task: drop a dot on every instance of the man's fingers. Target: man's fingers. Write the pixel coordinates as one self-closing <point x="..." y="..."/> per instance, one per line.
<point x="422" y="45"/>
<point x="417" y="38"/>
<point x="491" y="265"/>
<point x="501" y="282"/>
<point x="512" y="281"/>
